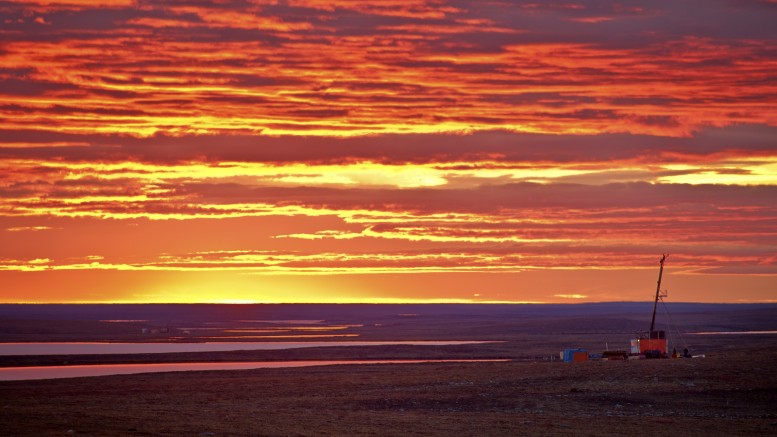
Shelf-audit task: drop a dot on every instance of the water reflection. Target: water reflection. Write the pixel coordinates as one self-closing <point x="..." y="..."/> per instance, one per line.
<point x="296" y="328"/>
<point x="287" y="321"/>
<point x="123" y="321"/>
<point x="286" y="332"/>
<point x="276" y="336"/>
<point x="92" y="348"/>
<point x="57" y="372"/>
<point x="248" y="331"/>
<point x="733" y="333"/>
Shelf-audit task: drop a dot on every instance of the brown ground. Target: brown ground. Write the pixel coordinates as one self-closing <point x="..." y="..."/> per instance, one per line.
<point x="729" y="394"/>
<point x="733" y="391"/>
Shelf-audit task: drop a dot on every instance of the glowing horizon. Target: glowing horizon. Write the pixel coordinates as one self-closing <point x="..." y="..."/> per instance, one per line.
<point x="384" y="151"/>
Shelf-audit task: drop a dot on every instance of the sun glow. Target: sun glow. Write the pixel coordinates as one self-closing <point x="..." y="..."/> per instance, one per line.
<point x="384" y="151"/>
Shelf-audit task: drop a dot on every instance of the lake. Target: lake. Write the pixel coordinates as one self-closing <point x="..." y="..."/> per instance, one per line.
<point x="734" y="333"/>
<point x="100" y="348"/>
<point x="56" y="372"/>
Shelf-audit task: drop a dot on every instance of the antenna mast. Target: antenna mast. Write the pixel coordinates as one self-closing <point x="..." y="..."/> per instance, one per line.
<point x="655" y="304"/>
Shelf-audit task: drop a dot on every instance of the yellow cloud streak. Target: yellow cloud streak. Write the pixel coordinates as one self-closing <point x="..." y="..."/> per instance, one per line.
<point x="422" y="234"/>
<point x="148" y="185"/>
<point x="753" y="171"/>
<point x="333" y="263"/>
<point x="358" y="174"/>
<point x="762" y="170"/>
<point x="569" y="61"/>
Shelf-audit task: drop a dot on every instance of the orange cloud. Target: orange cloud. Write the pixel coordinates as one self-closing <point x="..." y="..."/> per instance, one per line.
<point x="177" y="152"/>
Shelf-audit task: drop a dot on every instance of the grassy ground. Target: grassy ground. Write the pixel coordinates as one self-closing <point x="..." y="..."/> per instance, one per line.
<point x="734" y="393"/>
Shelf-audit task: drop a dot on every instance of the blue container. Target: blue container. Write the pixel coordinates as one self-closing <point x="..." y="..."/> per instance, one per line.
<point x="568" y="354"/>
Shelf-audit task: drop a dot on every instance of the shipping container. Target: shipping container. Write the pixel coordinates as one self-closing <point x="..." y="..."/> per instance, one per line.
<point x="570" y="355"/>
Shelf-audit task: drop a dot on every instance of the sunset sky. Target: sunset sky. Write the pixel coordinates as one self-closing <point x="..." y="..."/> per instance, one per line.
<point x="387" y="150"/>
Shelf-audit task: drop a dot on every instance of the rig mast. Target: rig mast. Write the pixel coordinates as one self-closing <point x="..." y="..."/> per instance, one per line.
<point x="658" y="291"/>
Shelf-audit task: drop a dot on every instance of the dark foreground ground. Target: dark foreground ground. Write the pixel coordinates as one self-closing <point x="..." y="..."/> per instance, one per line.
<point x="729" y="394"/>
<point x="733" y="391"/>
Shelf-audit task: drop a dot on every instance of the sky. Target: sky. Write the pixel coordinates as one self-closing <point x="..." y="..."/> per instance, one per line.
<point x="387" y="151"/>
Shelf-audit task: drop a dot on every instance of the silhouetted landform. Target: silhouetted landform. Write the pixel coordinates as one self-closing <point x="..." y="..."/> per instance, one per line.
<point x="349" y="312"/>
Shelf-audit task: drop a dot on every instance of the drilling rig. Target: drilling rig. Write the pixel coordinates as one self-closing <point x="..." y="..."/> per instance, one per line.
<point x="654" y="344"/>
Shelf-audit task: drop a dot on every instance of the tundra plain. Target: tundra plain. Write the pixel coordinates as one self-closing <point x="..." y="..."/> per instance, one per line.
<point x="731" y="391"/>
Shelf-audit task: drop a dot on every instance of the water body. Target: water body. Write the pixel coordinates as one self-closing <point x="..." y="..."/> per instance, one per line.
<point x="101" y="348"/>
<point x="734" y="333"/>
<point x="57" y="372"/>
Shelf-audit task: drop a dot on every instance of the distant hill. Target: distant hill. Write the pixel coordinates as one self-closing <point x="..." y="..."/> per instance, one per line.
<point x="341" y="313"/>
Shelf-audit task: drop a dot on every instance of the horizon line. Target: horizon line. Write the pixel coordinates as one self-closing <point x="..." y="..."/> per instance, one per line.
<point x="386" y="303"/>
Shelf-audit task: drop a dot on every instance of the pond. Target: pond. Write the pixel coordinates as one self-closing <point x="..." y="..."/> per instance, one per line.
<point x="734" y="333"/>
<point x="56" y="372"/>
<point x="95" y="348"/>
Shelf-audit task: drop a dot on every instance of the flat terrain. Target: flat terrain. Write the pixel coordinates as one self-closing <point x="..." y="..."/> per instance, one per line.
<point x="730" y="394"/>
<point x="733" y="391"/>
